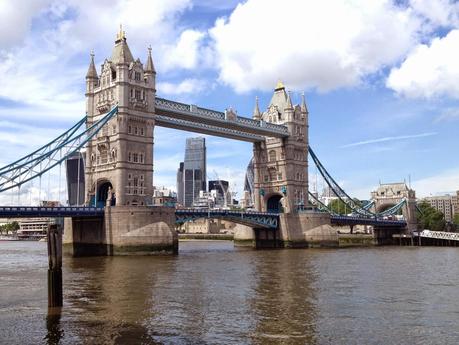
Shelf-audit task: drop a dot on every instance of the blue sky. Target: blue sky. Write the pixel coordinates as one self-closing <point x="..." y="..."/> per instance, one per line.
<point x="380" y="77"/>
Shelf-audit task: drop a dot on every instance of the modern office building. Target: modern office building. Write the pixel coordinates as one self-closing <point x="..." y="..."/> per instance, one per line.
<point x="249" y="180"/>
<point x="75" y="179"/>
<point x="191" y="175"/>
<point x="446" y="204"/>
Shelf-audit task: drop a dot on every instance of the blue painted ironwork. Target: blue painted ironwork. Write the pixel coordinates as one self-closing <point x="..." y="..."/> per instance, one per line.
<point x="368" y="205"/>
<point x="54" y="153"/>
<point x="64" y="211"/>
<point x="348" y="220"/>
<point x="393" y="210"/>
<point x="419" y="210"/>
<point x="257" y="219"/>
<point x="321" y="206"/>
<point x="195" y="114"/>
<point x="37" y="154"/>
<point x="336" y="188"/>
<point x="170" y="122"/>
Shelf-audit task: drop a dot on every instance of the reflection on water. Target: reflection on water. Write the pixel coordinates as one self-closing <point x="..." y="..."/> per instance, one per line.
<point x="214" y="294"/>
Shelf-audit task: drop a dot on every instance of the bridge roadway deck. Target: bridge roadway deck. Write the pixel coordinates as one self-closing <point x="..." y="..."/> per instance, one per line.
<point x="196" y="119"/>
<point x="347" y="220"/>
<point x="63" y="211"/>
<point x="262" y="219"/>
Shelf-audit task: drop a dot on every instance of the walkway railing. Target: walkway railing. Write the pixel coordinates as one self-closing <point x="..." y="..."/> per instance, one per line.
<point x="441" y="235"/>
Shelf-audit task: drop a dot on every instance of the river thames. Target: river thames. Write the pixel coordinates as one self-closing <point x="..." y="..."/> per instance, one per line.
<point x="212" y="293"/>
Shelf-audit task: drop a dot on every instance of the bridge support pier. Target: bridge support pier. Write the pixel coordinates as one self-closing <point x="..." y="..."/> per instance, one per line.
<point x="296" y="230"/>
<point x="383" y="235"/>
<point x="307" y="229"/>
<point x="124" y="230"/>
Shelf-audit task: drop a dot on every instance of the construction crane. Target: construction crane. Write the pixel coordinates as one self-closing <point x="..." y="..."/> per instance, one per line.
<point x="225" y="191"/>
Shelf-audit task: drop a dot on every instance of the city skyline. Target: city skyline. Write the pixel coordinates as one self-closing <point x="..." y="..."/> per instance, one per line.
<point x="386" y="111"/>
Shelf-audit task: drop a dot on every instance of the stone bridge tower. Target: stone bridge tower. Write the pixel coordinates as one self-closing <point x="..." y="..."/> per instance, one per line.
<point x="119" y="160"/>
<point x="281" y="165"/>
<point x="390" y="194"/>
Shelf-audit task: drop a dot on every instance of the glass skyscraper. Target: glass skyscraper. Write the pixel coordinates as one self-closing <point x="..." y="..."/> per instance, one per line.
<point x="75" y="178"/>
<point x="191" y="176"/>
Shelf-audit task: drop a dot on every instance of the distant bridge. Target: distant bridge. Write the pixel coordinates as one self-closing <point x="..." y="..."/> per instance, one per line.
<point x="265" y="220"/>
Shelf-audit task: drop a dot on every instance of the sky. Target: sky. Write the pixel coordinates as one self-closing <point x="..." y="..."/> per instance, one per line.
<point x="380" y="78"/>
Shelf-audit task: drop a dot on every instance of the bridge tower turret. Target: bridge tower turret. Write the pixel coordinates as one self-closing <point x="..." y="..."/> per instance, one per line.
<point x="120" y="158"/>
<point x="281" y="165"/>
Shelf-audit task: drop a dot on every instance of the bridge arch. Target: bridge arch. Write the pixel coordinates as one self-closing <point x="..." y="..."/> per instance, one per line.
<point x="104" y="190"/>
<point x="274" y="203"/>
<point x="384" y="206"/>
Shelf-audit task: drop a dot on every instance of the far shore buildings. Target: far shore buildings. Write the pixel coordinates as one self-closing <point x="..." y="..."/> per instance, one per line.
<point x="447" y="204"/>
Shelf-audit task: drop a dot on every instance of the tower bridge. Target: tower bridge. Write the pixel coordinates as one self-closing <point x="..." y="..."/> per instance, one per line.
<point x="122" y="111"/>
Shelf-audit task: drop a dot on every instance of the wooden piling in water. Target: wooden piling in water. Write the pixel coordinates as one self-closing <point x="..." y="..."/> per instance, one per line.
<point x="55" y="266"/>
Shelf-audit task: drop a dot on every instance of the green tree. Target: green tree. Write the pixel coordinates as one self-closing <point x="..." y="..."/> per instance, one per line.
<point x="12" y="227"/>
<point x="338" y="206"/>
<point x="430" y="218"/>
<point x="456" y="220"/>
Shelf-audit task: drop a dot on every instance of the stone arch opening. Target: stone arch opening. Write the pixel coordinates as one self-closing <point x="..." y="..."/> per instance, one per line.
<point x="103" y="193"/>
<point x="383" y="207"/>
<point x="273" y="204"/>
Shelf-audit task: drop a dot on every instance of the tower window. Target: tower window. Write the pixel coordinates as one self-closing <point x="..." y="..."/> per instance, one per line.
<point x="129" y="157"/>
<point x="129" y="129"/>
<point x="137" y="95"/>
<point x="137" y="76"/>
<point x="142" y="131"/>
<point x="272" y="156"/>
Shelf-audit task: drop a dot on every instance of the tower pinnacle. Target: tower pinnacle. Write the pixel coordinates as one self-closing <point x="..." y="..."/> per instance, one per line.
<point x="92" y="73"/>
<point x="149" y="68"/>
<point x="304" y="108"/>
<point x="289" y="104"/>
<point x="256" y="110"/>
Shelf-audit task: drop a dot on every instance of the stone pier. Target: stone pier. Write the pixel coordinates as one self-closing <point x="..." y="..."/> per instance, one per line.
<point x="124" y="230"/>
<point x="296" y="230"/>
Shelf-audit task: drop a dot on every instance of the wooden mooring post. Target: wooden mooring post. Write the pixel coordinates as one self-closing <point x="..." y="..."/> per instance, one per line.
<point x="55" y="265"/>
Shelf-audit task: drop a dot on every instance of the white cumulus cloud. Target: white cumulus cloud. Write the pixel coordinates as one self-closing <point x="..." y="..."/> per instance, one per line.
<point x="311" y="44"/>
<point x="429" y="70"/>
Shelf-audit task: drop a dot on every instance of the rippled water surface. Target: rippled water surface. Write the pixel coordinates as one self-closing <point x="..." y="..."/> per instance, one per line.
<point x="212" y="293"/>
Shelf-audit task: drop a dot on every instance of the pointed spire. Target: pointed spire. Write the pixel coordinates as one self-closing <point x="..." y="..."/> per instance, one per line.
<point x="121" y="52"/>
<point x="289" y="104"/>
<point x="92" y="73"/>
<point x="304" y="108"/>
<point x="256" y="110"/>
<point x="149" y="68"/>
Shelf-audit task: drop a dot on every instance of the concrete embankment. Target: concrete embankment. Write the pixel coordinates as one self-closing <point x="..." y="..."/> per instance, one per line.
<point x="213" y="237"/>
<point x="356" y="240"/>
